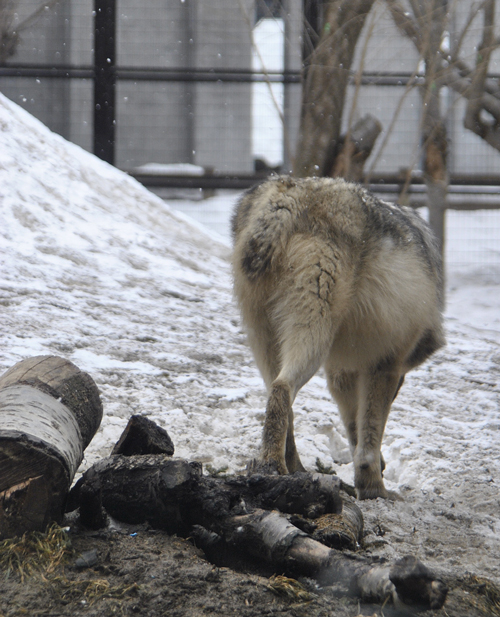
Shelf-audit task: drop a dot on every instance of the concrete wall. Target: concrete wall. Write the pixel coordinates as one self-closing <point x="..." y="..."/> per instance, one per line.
<point x="165" y="122"/>
<point x="154" y="118"/>
<point x="222" y="111"/>
<point x="49" y="42"/>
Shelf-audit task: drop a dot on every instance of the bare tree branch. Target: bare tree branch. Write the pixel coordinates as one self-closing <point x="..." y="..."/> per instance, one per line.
<point x="475" y="8"/>
<point x="375" y="129"/>
<point x="408" y="88"/>
<point x="405" y="23"/>
<point x="490" y="132"/>
<point x="10" y="35"/>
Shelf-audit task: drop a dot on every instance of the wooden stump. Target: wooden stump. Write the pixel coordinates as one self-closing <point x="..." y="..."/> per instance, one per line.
<point x="49" y="412"/>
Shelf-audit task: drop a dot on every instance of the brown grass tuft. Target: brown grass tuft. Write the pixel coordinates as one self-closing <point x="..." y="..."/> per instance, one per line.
<point x="289" y="588"/>
<point x="35" y="552"/>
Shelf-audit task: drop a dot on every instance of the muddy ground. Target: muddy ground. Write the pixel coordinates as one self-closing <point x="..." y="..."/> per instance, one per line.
<point x="139" y="571"/>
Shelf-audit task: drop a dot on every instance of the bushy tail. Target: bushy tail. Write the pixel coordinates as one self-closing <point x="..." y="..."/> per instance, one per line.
<point x="265" y="218"/>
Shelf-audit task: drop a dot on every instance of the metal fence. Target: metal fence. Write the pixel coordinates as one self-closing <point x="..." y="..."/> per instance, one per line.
<point x="169" y="89"/>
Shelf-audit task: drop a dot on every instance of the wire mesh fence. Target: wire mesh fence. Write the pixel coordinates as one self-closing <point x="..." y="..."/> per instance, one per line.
<point x="216" y="84"/>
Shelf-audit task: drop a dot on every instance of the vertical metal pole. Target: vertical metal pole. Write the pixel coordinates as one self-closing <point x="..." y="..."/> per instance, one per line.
<point x="292" y="18"/>
<point x="190" y="87"/>
<point x="104" y="79"/>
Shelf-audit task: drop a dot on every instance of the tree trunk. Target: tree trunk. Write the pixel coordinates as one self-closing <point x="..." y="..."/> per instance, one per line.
<point x="49" y="411"/>
<point x="325" y="86"/>
<point x="489" y="131"/>
<point x="432" y="19"/>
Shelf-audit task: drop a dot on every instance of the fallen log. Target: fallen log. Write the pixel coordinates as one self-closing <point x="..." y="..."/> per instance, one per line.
<point x="269" y="536"/>
<point x="49" y="412"/>
<point x="172" y="494"/>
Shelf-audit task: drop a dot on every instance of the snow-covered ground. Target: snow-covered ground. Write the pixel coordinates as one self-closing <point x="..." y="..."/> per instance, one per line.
<point x="95" y="268"/>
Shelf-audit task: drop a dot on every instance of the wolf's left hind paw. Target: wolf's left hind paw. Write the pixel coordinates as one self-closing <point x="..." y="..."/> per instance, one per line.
<point x="371" y="493"/>
<point x="264" y="468"/>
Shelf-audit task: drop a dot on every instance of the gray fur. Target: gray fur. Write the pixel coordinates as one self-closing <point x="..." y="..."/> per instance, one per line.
<point x="326" y="274"/>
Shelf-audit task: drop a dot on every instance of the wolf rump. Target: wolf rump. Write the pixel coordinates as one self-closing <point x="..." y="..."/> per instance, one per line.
<point x="326" y="274"/>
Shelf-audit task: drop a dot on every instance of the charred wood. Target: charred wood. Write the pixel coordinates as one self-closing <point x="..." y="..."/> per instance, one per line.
<point x="240" y="514"/>
<point x="143" y="436"/>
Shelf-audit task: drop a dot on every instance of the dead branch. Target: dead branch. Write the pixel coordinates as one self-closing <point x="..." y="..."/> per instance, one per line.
<point x="405" y="23"/>
<point x="357" y="146"/>
<point x="10" y="36"/>
<point x="489" y="131"/>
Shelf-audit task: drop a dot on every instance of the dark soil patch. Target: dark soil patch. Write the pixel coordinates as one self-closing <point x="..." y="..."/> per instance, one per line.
<point x="151" y="574"/>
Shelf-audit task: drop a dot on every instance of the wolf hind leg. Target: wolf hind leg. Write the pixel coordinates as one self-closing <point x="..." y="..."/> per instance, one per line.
<point x="262" y="340"/>
<point x="377" y="390"/>
<point x="301" y="357"/>
<point x="292" y="458"/>
<point x="343" y="386"/>
<point x="307" y="308"/>
<point x="279" y="451"/>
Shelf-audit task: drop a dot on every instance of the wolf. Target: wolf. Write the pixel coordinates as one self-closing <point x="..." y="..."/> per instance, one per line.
<point x="326" y="274"/>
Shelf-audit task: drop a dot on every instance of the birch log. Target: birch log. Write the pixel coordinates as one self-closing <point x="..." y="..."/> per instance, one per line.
<point x="49" y="412"/>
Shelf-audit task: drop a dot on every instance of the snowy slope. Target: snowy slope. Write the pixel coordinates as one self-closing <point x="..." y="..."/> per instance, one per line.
<point x="96" y="269"/>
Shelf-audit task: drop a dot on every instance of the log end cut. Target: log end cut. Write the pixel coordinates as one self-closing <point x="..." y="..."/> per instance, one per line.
<point x="64" y="381"/>
<point x="33" y="488"/>
<point x="49" y="412"/>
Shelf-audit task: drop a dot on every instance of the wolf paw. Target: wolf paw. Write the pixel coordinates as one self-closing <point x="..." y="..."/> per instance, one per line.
<point x="265" y="468"/>
<point x="372" y="492"/>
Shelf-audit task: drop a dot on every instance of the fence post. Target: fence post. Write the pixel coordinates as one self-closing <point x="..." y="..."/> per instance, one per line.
<point x="104" y="79"/>
<point x="292" y="92"/>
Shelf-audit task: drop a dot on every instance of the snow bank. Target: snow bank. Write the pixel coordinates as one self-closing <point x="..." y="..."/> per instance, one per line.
<point x="95" y="268"/>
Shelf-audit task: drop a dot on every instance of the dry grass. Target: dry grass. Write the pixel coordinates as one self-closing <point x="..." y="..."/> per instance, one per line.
<point x="484" y="595"/>
<point x="45" y="555"/>
<point x="35" y="552"/>
<point x="289" y="588"/>
<point x="91" y="591"/>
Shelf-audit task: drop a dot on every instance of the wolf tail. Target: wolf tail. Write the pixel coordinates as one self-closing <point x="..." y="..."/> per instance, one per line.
<point x="269" y="218"/>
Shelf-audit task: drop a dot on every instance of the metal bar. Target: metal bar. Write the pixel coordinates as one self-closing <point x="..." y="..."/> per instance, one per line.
<point x="104" y="79"/>
<point x="132" y="74"/>
<point x="459" y="199"/>
<point x="56" y="72"/>
<point x="154" y="74"/>
<point x="492" y="180"/>
<point x="222" y="181"/>
<point x="190" y="74"/>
